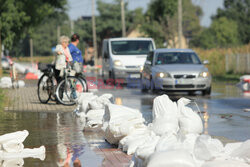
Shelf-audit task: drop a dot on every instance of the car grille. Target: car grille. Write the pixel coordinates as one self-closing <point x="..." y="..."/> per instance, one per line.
<point x="132" y="66"/>
<point x="201" y="86"/>
<point x="184" y="86"/>
<point x="184" y="76"/>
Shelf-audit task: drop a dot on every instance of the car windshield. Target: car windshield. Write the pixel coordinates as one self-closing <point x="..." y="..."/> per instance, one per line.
<point x="130" y="47"/>
<point x="177" y="58"/>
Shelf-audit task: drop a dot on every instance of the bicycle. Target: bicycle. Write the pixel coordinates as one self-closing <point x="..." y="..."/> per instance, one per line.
<point x="69" y="88"/>
<point x="47" y="83"/>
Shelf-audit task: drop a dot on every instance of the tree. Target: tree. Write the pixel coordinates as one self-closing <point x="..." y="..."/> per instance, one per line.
<point x="161" y="20"/>
<point x="222" y="33"/>
<point x="19" y="17"/>
<point x="238" y="11"/>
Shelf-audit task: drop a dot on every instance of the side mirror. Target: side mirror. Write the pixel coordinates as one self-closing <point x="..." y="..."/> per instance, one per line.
<point x="148" y="62"/>
<point x="205" y="62"/>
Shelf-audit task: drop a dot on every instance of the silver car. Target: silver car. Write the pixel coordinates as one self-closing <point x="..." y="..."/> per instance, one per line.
<point x="175" y="70"/>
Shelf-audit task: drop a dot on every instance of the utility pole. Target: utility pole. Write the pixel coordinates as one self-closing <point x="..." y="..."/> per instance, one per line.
<point x="0" y="53"/>
<point x="58" y="33"/>
<point x="94" y="32"/>
<point x="31" y="51"/>
<point x="123" y="19"/>
<point x="72" y="27"/>
<point x="180" y="23"/>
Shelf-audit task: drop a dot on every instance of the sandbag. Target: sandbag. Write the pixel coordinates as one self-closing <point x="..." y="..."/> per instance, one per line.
<point x="145" y="150"/>
<point x="94" y="117"/>
<point x="5" y="82"/>
<point x="166" y="142"/>
<point x="172" y="158"/>
<point x="16" y="162"/>
<point x="206" y="148"/>
<point x="100" y="102"/>
<point x="165" y="125"/>
<point x="119" y="121"/>
<point x="15" y="137"/>
<point x="12" y="146"/>
<point x="243" y="151"/>
<point x="230" y="147"/>
<point x="164" y="107"/>
<point x="225" y="163"/>
<point x="83" y="101"/>
<point x="189" y="121"/>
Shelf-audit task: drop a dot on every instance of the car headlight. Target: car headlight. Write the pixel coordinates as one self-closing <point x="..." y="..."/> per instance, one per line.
<point x="163" y="75"/>
<point x="117" y="63"/>
<point x="204" y="74"/>
<point x="141" y="68"/>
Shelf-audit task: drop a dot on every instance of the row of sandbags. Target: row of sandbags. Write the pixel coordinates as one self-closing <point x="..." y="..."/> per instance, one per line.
<point x="12" y="150"/>
<point x="172" y="139"/>
<point x="6" y="82"/>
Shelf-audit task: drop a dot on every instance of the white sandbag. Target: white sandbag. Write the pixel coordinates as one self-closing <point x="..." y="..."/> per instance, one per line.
<point x="83" y="102"/>
<point x="164" y="107"/>
<point x="206" y="148"/>
<point x="20" y="83"/>
<point x="12" y="147"/>
<point x="189" y="121"/>
<point x="242" y="152"/>
<point x="17" y="137"/>
<point x="166" y="142"/>
<point x="230" y="147"/>
<point x="144" y="151"/>
<point x="100" y="102"/>
<point x="21" y="68"/>
<point x="94" y="117"/>
<point x="131" y="142"/>
<point x="5" y="82"/>
<point x="25" y="153"/>
<point x="16" y="162"/>
<point x="225" y="163"/>
<point x="167" y="124"/>
<point x="187" y="141"/>
<point x="173" y="158"/>
<point x="119" y="121"/>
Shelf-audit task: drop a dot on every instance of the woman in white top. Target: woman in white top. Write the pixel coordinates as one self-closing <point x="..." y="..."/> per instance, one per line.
<point x="63" y="55"/>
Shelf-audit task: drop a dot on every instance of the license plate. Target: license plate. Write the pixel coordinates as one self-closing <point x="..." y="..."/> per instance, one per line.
<point x="134" y="76"/>
<point x="183" y="81"/>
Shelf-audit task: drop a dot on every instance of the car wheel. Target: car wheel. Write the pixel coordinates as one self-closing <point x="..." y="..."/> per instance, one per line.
<point x="191" y="92"/>
<point x="143" y="86"/>
<point x="207" y="91"/>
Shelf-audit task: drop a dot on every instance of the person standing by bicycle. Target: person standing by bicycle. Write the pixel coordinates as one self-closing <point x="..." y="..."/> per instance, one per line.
<point x="63" y="56"/>
<point x="76" y="54"/>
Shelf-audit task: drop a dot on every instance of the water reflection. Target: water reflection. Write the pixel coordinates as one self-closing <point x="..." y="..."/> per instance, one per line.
<point x="61" y="134"/>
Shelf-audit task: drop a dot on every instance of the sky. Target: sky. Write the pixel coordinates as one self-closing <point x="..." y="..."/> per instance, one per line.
<point x="78" y="8"/>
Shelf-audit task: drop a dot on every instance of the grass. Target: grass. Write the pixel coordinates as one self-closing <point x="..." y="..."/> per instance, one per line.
<point x="36" y="59"/>
<point x="2" y="99"/>
<point x="232" y="78"/>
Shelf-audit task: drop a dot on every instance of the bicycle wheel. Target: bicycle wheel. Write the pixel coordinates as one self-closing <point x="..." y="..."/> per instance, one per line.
<point x="68" y="91"/>
<point x="44" y="89"/>
<point x="53" y="94"/>
<point x="85" y="85"/>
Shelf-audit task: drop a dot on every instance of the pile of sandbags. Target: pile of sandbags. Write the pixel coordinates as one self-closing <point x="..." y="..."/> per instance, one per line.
<point x="91" y="109"/>
<point x="6" y="82"/>
<point x="174" y="138"/>
<point x="12" y="150"/>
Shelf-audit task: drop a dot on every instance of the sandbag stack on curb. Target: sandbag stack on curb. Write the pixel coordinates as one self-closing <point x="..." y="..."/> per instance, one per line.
<point x="12" y="150"/>
<point x="173" y="138"/>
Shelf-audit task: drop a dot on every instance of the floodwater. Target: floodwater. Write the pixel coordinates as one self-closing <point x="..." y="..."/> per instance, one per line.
<point x="224" y="114"/>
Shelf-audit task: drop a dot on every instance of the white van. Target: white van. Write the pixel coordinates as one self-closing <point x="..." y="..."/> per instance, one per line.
<point x="124" y="58"/>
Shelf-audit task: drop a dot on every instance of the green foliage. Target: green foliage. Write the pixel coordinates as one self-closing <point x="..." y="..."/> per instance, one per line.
<point x="18" y="17"/>
<point x="161" y="20"/>
<point x="222" y="33"/>
<point x="239" y="11"/>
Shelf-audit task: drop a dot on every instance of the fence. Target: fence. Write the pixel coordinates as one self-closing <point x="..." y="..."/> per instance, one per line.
<point x="237" y="63"/>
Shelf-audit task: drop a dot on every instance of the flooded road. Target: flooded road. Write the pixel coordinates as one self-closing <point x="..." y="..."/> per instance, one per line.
<point x="223" y="112"/>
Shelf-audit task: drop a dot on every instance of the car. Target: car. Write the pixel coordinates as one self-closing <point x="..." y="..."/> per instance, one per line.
<point x="175" y="70"/>
<point x="123" y="58"/>
<point x="5" y="63"/>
